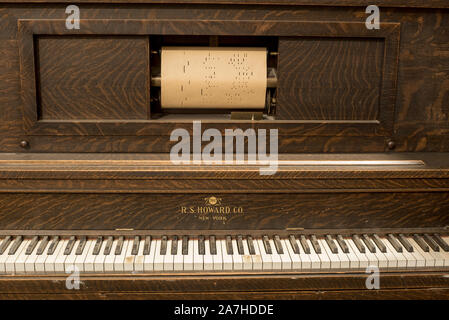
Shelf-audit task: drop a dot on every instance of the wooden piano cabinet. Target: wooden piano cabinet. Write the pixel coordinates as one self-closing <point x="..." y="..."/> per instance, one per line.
<point x="341" y="87"/>
<point x="227" y="286"/>
<point x="82" y="153"/>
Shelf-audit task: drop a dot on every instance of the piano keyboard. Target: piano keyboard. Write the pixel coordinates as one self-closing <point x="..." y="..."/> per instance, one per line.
<point x="55" y="254"/>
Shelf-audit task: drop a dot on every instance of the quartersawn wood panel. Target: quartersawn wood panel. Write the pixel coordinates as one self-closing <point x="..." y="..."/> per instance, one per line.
<point x="41" y="211"/>
<point x="84" y="78"/>
<point x="329" y="78"/>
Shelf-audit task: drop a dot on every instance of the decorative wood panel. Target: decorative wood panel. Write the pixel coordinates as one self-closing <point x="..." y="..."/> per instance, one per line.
<point x="85" y="78"/>
<point x="321" y="210"/>
<point x="31" y="28"/>
<point x="330" y="78"/>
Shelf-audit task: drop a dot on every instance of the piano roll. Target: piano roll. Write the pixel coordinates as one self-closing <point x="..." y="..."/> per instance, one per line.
<point x="213" y="78"/>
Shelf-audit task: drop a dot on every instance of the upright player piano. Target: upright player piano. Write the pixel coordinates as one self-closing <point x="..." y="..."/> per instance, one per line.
<point x="88" y="114"/>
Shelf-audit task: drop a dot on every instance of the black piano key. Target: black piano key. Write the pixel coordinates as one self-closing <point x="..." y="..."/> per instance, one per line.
<point x="407" y="245"/>
<point x="29" y="250"/>
<point x="119" y="247"/>
<point x="293" y="243"/>
<point x="419" y="240"/>
<point x="108" y="246"/>
<point x="5" y="244"/>
<point x="81" y="246"/>
<point x="229" y="248"/>
<point x="240" y="245"/>
<point x="278" y="245"/>
<point x="135" y="248"/>
<point x="147" y="245"/>
<point x="53" y="244"/>
<point x="368" y="243"/>
<point x="315" y="244"/>
<point x="68" y="249"/>
<point x="97" y="246"/>
<point x="43" y="245"/>
<point x="342" y="243"/>
<point x="163" y="250"/>
<point x="201" y="245"/>
<point x="185" y="245"/>
<point x="174" y="246"/>
<point x="431" y="242"/>
<point x="443" y="244"/>
<point x="266" y="244"/>
<point x="15" y="245"/>
<point x="249" y="241"/>
<point x="379" y="243"/>
<point x="212" y="245"/>
<point x="304" y="244"/>
<point x="358" y="243"/>
<point x="330" y="242"/>
<point x="394" y="242"/>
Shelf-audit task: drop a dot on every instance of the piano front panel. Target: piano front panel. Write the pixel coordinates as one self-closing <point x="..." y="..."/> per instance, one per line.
<point x="233" y="211"/>
<point x="400" y="83"/>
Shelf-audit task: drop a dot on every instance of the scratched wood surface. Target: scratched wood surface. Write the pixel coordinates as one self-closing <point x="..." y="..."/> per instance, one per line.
<point x="412" y="285"/>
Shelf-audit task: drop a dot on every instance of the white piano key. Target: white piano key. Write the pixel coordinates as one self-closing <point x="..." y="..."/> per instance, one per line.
<point x="30" y="263"/>
<point x="197" y="257"/>
<point x="188" y="258"/>
<point x="382" y="260"/>
<point x="420" y="260"/>
<point x="110" y="258"/>
<point x="101" y="257"/>
<point x="69" y="262"/>
<point x="158" y="258"/>
<point x="373" y="261"/>
<point x="354" y="260"/>
<point x="267" y="263"/>
<point x="294" y="257"/>
<point x="333" y="257"/>
<point x="3" y="257"/>
<point x="80" y="259"/>
<point x="438" y="256"/>
<point x="19" y="263"/>
<point x="428" y="258"/>
<point x="208" y="261"/>
<point x="236" y="257"/>
<point x="148" y="261"/>
<point x="227" y="258"/>
<point x="57" y="259"/>
<point x="315" y="262"/>
<point x="218" y="258"/>
<point x="363" y="261"/>
<point x="10" y="261"/>
<point x="446" y="254"/>
<point x="119" y="261"/>
<point x="128" y="262"/>
<point x="345" y="258"/>
<point x="246" y="257"/>
<point x="286" y="263"/>
<point x="178" y="258"/>
<point x="401" y="261"/>
<point x="306" y="263"/>
<point x="168" y="257"/>
<point x="39" y="264"/>
<point x="411" y="259"/>
<point x="325" y="262"/>
<point x="257" y="258"/>
<point x="139" y="258"/>
<point x="90" y="257"/>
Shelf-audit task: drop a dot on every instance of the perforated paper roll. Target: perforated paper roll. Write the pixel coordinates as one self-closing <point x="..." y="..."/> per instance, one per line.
<point x="204" y="77"/>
